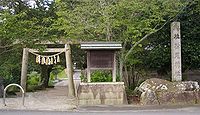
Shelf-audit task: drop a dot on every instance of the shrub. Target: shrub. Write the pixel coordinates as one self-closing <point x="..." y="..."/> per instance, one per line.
<point x="33" y="81"/>
<point x="101" y="76"/>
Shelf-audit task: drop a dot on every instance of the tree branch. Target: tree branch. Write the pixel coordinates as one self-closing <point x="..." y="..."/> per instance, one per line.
<point x="147" y="35"/>
<point x="6" y="46"/>
<point x="5" y="51"/>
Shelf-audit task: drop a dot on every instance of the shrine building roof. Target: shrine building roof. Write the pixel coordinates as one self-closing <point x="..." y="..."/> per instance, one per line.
<point x="101" y="45"/>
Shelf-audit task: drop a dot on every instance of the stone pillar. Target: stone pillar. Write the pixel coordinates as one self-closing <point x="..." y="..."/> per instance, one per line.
<point x="114" y="68"/>
<point x="176" y="51"/>
<point x="24" y="68"/>
<point x="69" y="71"/>
<point x="88" y="67"/>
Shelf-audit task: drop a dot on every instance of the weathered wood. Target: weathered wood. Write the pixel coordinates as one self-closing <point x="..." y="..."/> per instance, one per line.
<point x="121" y="70"/>
<point x="88" y="67"/>
<point x="176" y="51"/>
<point x="24" y="68"/>
<point x="69" y="72"/>
<point x="101" y="58"/>
<point x="114" y="68"/>
<point x="48" y="50"/>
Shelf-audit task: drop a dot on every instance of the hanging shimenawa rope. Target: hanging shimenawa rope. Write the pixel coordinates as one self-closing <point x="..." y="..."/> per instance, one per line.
<point x="47" y="60"/>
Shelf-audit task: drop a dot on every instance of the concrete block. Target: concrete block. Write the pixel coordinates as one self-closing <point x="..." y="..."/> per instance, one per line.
<point x="101" y="93"/>
<point x="89" y="102"/>
<point x="86" y="96"/>
<point x="114" y="101"/>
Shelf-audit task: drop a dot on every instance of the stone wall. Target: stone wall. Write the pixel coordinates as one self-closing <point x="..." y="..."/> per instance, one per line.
<point x="162" y="92"/>
<point x="109" y="93"/>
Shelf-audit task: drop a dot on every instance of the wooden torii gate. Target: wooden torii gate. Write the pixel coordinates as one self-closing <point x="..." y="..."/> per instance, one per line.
<point x="69" y="71"/>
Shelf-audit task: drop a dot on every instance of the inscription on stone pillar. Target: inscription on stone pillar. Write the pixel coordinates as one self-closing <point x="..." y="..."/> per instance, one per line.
<point x="176" y="51"/>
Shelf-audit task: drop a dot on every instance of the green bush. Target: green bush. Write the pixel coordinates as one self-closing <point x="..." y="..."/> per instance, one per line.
<point x="101" y="76"/>
<point x="33" y="81"/>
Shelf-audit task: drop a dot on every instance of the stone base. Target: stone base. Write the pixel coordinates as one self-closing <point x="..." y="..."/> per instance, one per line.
<point x="161" y="92"/>
<point x="108" y="93"/>
<point x="177" y="98"/>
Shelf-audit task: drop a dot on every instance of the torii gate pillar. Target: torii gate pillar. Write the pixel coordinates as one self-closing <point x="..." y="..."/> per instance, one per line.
<point x="24" y="68"/>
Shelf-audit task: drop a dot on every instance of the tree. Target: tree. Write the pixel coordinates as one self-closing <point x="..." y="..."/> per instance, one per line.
<point x="22" y="26"/>
<point x="190" y="36"/>
<point x="158" y="57"/>
<point x="92" y="20"/>
<point x="128" y="21"/>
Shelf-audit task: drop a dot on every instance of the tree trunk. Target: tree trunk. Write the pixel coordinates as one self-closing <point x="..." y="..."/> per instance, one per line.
<point x="121" y="63"/>
<point x="125" y="77"/>
<point x="45" y="75"/>
<point x="131" y="77"/>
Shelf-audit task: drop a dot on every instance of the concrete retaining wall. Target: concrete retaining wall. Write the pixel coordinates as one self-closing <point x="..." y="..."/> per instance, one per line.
<point x="109" y="93"/>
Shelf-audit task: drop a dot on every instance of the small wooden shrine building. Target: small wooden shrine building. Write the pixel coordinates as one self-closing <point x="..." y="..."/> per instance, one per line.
<point x="101" y="56"/>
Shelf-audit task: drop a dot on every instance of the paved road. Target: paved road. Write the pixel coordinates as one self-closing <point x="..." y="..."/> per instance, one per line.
<point x="178" y="111"/>
<point x="165" y="112"/>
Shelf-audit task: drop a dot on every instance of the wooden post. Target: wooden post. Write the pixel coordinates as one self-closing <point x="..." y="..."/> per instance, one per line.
<point x="88" y="67"/>
<point x="176" y="51"/>
<point x="121" y="69"/>
<point x="24" y="68"/>
<point x="69" y="71"/>
<point x="114" y="68"/>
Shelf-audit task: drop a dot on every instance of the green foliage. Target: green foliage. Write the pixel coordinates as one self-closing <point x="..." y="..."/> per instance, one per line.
<point x="78" y="57"/>
<point x="157" y="55"/>
<point x="22" y="26"/>
<point x="127" y="21"/>
<point x="33" y="81"/>
<point x="190" y="36"/>
<point x="57" y="69"/>
<point x="51" y="80"/>
<point x="101" y="76"/>
<point x="90" y="19"/>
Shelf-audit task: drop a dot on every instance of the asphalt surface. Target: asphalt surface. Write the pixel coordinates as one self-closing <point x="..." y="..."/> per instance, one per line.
<point x="164" y="111"/>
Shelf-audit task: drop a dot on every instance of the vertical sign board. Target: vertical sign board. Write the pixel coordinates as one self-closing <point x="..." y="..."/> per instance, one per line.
<point x="101" y="59"/>
<point x="176" y="51"/>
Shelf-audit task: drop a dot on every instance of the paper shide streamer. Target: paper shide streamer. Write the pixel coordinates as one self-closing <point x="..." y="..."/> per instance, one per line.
<point x="47" y="60"/>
